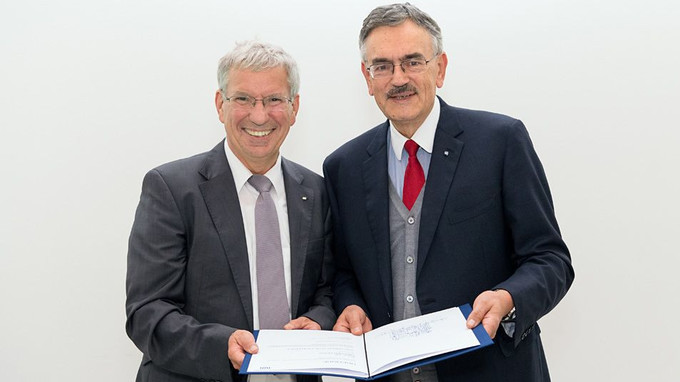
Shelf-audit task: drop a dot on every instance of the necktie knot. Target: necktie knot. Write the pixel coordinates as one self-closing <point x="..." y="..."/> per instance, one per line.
<point x="411" y="148"/>
<point x="261" y="183"/>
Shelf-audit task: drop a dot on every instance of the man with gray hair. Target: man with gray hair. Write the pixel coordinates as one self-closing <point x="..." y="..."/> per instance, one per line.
<point x="441" y="206"/>
<point x="233" y="239"/>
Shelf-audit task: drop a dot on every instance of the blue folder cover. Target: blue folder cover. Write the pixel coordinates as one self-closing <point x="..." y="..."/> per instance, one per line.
<point x="246" y="360"/>
<point x="479" y="332"/>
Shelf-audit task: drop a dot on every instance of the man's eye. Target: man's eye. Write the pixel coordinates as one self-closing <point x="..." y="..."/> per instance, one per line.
<point x="381" y="68"/>
<point x="413" y="63"/>
<point x="274" y="100"/>
<point x="242" y="99"/>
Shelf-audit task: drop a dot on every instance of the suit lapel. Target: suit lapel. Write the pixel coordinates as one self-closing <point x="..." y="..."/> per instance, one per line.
<point x="221" y="199"/>
<point x="375" y="177"/>
<point x="300" y="200"/>
<point x="445" y="155"/>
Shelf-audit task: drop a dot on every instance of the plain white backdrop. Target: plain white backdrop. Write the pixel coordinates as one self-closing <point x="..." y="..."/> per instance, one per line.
<point x="95" y="93"/>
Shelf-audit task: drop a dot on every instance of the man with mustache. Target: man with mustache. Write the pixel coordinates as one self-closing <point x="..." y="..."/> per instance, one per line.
<point x="231" y="240"/>
<point x="441" y="206"/>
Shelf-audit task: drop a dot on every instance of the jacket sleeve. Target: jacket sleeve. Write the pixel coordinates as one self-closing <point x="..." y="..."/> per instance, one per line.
<point x="156" y="272"/>
<point x="544" y="272"/>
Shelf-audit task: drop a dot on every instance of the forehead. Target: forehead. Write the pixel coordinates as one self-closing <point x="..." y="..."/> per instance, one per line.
<point x="258" y="83"/>
<point x="398" y="42"/>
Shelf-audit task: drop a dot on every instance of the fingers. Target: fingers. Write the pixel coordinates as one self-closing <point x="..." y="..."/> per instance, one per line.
<point x="353" y="320"/>
<point x="302" y="322"/>
<point x="488" y="309"/>
<point x="341" y="326"/>
<point x="482" y="312"/>
<point x="480" y="308"/>
<point x="240" y="342"/>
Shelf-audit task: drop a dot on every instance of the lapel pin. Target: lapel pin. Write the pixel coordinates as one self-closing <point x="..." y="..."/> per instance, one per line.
<point x="446" y="153"/>
<point x="304" y="198"/>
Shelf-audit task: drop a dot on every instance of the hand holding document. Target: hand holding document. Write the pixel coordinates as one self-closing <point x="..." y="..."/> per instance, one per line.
<point x="385" y="350"/>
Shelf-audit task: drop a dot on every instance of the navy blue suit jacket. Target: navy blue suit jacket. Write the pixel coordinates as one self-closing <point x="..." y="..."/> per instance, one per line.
<point x="487" y="222"/>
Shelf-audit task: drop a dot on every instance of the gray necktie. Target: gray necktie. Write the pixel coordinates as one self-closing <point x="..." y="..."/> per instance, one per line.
<point x="271" y="286"/>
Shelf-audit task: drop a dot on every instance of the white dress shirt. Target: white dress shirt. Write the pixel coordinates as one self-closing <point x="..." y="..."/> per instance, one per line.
<point x="247" y="196"/>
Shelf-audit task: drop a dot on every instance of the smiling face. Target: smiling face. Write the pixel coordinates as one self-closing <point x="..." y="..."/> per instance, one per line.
<point x="406" y="99"/>
<point x="255" y="135"/>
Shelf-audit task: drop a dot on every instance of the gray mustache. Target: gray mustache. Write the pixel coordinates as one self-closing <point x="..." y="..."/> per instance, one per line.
<point x="401" y="89"/>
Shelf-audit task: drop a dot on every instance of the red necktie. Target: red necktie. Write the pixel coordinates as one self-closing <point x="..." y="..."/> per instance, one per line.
<point x="414" y="177"/>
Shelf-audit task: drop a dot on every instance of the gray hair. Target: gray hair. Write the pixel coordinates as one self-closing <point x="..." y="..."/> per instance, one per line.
<point x="257" y="56"/>
<point x="395" y="14"/>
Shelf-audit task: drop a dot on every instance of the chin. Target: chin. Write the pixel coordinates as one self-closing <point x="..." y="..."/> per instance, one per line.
<point x="401" y="116"/>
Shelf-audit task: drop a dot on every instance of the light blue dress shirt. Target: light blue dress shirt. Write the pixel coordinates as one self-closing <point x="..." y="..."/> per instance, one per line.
<point x="397" y="158"/>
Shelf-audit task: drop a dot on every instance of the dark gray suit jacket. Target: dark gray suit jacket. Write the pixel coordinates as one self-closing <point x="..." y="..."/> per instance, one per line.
<point x="188" y="280"/>
<point x="487" y="222"/>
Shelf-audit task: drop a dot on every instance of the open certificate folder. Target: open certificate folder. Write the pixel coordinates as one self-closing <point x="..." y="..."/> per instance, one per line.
<point x="388" y="349"/>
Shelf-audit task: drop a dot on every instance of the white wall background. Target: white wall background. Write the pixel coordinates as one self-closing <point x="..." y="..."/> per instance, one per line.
<point x="95" y="93"/>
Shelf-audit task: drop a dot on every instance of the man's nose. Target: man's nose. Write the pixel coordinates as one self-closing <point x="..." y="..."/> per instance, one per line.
<point x="259" y="114"/>
<point x="399" y="76"/>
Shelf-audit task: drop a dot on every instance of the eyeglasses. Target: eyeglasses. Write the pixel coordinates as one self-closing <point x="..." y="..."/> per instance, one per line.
<point x="270" y="103"/>
<point x="386" y="69"/>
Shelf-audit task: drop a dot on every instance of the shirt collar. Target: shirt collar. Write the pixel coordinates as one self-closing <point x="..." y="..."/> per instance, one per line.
<point x="424" y="136"/>
<point x="241" y="173"/>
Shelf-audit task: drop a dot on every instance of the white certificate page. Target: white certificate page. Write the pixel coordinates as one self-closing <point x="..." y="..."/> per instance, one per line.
<point x="416" y="338"/>
<point x="313" y="351"/>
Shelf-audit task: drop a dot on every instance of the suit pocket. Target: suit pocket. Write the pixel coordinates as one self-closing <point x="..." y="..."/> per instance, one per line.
<point x="460" y="215"/>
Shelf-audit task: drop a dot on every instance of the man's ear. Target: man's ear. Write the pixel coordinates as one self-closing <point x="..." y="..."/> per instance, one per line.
<point x="442" y="63"/>
<point x="219" y="101"/>
<point x="296" y="107"/>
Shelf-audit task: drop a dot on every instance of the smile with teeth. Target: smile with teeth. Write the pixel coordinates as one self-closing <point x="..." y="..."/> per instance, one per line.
<point x="258" y="133"/>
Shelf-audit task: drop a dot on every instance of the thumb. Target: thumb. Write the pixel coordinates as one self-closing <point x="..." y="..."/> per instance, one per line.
<point x="474" y="319"/>
<point x="247" y="342"/>
<point x="479" y="310"/>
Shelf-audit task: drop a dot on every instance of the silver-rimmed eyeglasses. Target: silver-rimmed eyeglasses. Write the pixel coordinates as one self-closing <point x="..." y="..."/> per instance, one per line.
<point x="386" y="69"/>
<point x="273" y="102"/>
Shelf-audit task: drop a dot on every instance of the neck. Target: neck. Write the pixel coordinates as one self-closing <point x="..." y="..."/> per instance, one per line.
<point x="259" y="167"/>
<point x="407" y="129"/>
